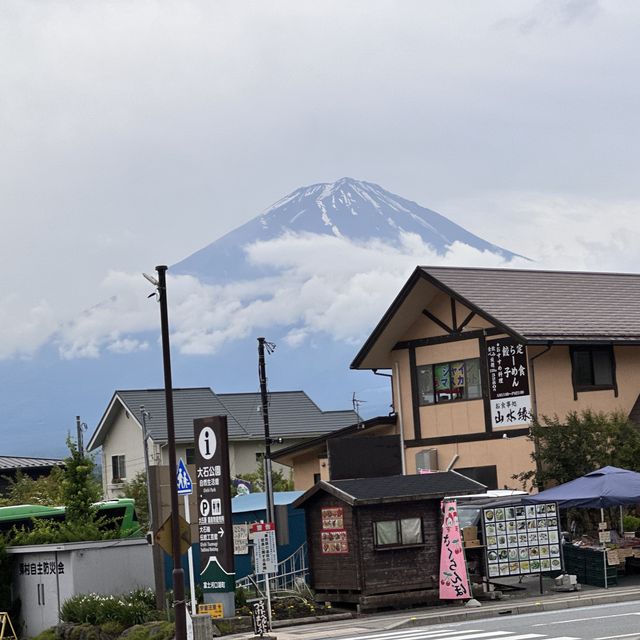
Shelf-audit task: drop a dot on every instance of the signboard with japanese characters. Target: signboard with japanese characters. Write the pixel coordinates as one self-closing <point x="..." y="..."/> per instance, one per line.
<point x="333" y="536"/>
<point x="240" y="539"/>
<point x="454" y="579"/>
<point x="265" y="552"/>
<point x="260" y="618"/>
<point x="522" y="539"/>
<point x="508" y="383"/>
<point x="215" y="528"/>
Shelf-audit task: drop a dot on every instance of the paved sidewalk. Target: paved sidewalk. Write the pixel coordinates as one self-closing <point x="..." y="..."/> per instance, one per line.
<point x="455" y="612"/>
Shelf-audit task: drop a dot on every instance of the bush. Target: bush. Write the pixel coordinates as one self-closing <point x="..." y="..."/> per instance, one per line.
<point x="631" y="523"/>
<point x="127" y="610"/>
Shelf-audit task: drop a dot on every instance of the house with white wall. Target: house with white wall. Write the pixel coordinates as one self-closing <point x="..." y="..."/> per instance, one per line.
<point x="293" y="418"/>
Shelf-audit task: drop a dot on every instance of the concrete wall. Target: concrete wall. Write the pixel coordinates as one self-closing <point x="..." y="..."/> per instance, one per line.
<point x="106" y="567"/>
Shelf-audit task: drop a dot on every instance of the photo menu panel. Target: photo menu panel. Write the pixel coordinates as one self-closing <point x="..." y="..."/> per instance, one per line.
<point x="520" y="540"/>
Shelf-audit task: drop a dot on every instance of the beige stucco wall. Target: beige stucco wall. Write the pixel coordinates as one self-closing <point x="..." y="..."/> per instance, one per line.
<point x="511" y="456"/>
<point x="554" y="390"/>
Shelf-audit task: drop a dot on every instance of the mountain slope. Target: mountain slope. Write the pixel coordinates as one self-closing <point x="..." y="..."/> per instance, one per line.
<point x="348" y="208"/>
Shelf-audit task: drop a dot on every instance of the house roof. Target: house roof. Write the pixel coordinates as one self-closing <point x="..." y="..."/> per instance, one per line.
<point x="321" y="441"/>
<point x="365" y="491"/>
<point x="291" y="414"/>
<point x="534" y="306"/>
<point x="11" y="463"/>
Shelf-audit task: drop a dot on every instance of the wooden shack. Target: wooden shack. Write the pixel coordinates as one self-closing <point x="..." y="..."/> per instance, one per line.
<point x="376" y="541"/>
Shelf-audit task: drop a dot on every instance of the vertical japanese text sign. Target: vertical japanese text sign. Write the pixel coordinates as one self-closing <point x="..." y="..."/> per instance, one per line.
<point x="454" y="581"/>
<point x="508" y="383"/>
<point x="215" y="527"/>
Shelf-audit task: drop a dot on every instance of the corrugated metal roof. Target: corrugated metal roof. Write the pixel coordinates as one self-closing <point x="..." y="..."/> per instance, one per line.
<point x="552" y="305"/>
<point x="291" y="413"/>
<point x="10" y="463"/>
<point x="258" y="501"/>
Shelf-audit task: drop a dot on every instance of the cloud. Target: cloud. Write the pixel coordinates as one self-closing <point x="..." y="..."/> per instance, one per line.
<point x="325" y="285"/>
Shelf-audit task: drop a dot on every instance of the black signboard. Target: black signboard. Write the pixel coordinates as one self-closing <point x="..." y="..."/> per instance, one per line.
<point x="508" y="382"/>
<point x="260" y="618"/>
<point x="215" y="527"/>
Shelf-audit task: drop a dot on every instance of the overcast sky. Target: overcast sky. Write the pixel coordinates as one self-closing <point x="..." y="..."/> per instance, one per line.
<point x="132" y="133"/>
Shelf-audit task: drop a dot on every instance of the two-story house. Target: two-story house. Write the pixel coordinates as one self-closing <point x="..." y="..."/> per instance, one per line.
<point x="293" y="417"/>
<point x="475" y="353"/>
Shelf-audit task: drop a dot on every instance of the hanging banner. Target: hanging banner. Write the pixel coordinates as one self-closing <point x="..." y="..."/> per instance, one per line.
<point x="508" y="383"/>
<point x="454" y="580"/>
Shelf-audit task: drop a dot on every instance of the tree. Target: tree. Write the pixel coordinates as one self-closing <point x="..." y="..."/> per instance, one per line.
<point x="45" y="490"/>
<point x="79" y="489"/>
<point x="278" y="480"/>
<point x="568" y="449"/>
<point x="138" y="490"/>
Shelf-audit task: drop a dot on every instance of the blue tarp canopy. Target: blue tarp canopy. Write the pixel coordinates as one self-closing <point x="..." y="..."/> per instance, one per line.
<point x="606" y="487"/>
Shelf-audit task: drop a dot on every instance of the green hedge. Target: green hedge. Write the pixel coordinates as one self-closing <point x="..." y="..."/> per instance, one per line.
<point x="125" y="610"/>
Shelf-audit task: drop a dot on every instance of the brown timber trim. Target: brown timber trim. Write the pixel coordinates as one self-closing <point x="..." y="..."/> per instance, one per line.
<point x="484" y="383"/>
<point x="439" y="322"/>
<point x="413" y="367"/>
<point x="467" y="320"/>
<point x="454" y="319"/>
<point x="467" y="437"/>
<point x="467" y="335"/>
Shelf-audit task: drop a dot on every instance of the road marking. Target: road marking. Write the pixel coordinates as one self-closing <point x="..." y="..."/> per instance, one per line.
<point x="447" y="634"/>
<point x="624" y="635"/>
<point x="615" y="615"/>
<point x="407" y="633"/>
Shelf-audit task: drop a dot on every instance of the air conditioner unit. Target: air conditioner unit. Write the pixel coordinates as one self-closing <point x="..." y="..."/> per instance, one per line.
<point x="427" y="460"/>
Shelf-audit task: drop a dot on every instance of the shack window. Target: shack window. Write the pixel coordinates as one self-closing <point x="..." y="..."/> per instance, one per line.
<point x="593" y="367"/>
<point x="190" y="454"/>
<point x="398" y="533"/>
<point x="447" y="381"/>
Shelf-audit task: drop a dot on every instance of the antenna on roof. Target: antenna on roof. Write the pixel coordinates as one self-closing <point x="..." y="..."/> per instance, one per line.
<point x="356" y="407"/>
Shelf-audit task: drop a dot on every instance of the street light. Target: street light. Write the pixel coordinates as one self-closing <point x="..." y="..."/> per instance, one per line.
<point x="178" y="572"/>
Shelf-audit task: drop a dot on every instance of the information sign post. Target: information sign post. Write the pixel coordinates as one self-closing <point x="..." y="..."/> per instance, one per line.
<point x="265" y="554"/>
<point x="215" y="527"/>
<point x="185" y="488"/>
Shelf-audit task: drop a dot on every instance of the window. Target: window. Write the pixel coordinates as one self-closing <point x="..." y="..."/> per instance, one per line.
<point x="190" y="455"/>
<point x="593" y="367"/>
<point x="447" y="381"/>
<point x="118" y="471"/>
<point x="398" y="533"/>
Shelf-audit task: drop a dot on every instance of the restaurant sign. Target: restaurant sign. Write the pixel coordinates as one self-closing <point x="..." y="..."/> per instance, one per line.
<point x="508" y="383"/>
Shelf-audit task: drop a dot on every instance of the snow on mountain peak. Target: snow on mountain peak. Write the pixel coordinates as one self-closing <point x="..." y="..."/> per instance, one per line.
<point x="347" y="208"/>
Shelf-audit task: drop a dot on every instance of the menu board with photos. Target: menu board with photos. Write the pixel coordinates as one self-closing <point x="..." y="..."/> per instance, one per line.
<point x="521" y="539"/>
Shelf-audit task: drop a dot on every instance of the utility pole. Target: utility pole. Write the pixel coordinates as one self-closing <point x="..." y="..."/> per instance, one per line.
<point x="145" y="445"/>
<point x="178" y="572"/>
<point x="80" y="427"/>
<point x="268" y="482"/>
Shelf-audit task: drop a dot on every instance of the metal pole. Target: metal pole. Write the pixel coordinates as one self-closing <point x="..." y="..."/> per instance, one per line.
<point x="192" y="579"/>
<point x="268" y="482"/>
<point x="79" y="432"/>
<point x="178" y="572"/>
<point x="145" y="445"/>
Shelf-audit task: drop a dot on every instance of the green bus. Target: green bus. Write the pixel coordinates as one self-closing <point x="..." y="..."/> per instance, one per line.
<point x="118" y="514"/>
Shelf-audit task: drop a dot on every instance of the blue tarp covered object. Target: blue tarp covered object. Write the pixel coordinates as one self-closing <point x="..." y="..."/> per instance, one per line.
<point x="606" y="487"/>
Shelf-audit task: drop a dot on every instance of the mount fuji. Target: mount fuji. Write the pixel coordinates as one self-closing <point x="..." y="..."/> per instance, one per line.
<point x="313" y="273"/>
<point x="347" y="208"/>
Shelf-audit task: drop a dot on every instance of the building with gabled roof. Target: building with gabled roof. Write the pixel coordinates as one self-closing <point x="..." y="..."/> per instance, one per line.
<point x="293" y="418"/>
<point x="475" y="354"/>
<point x="33" y="468"/>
